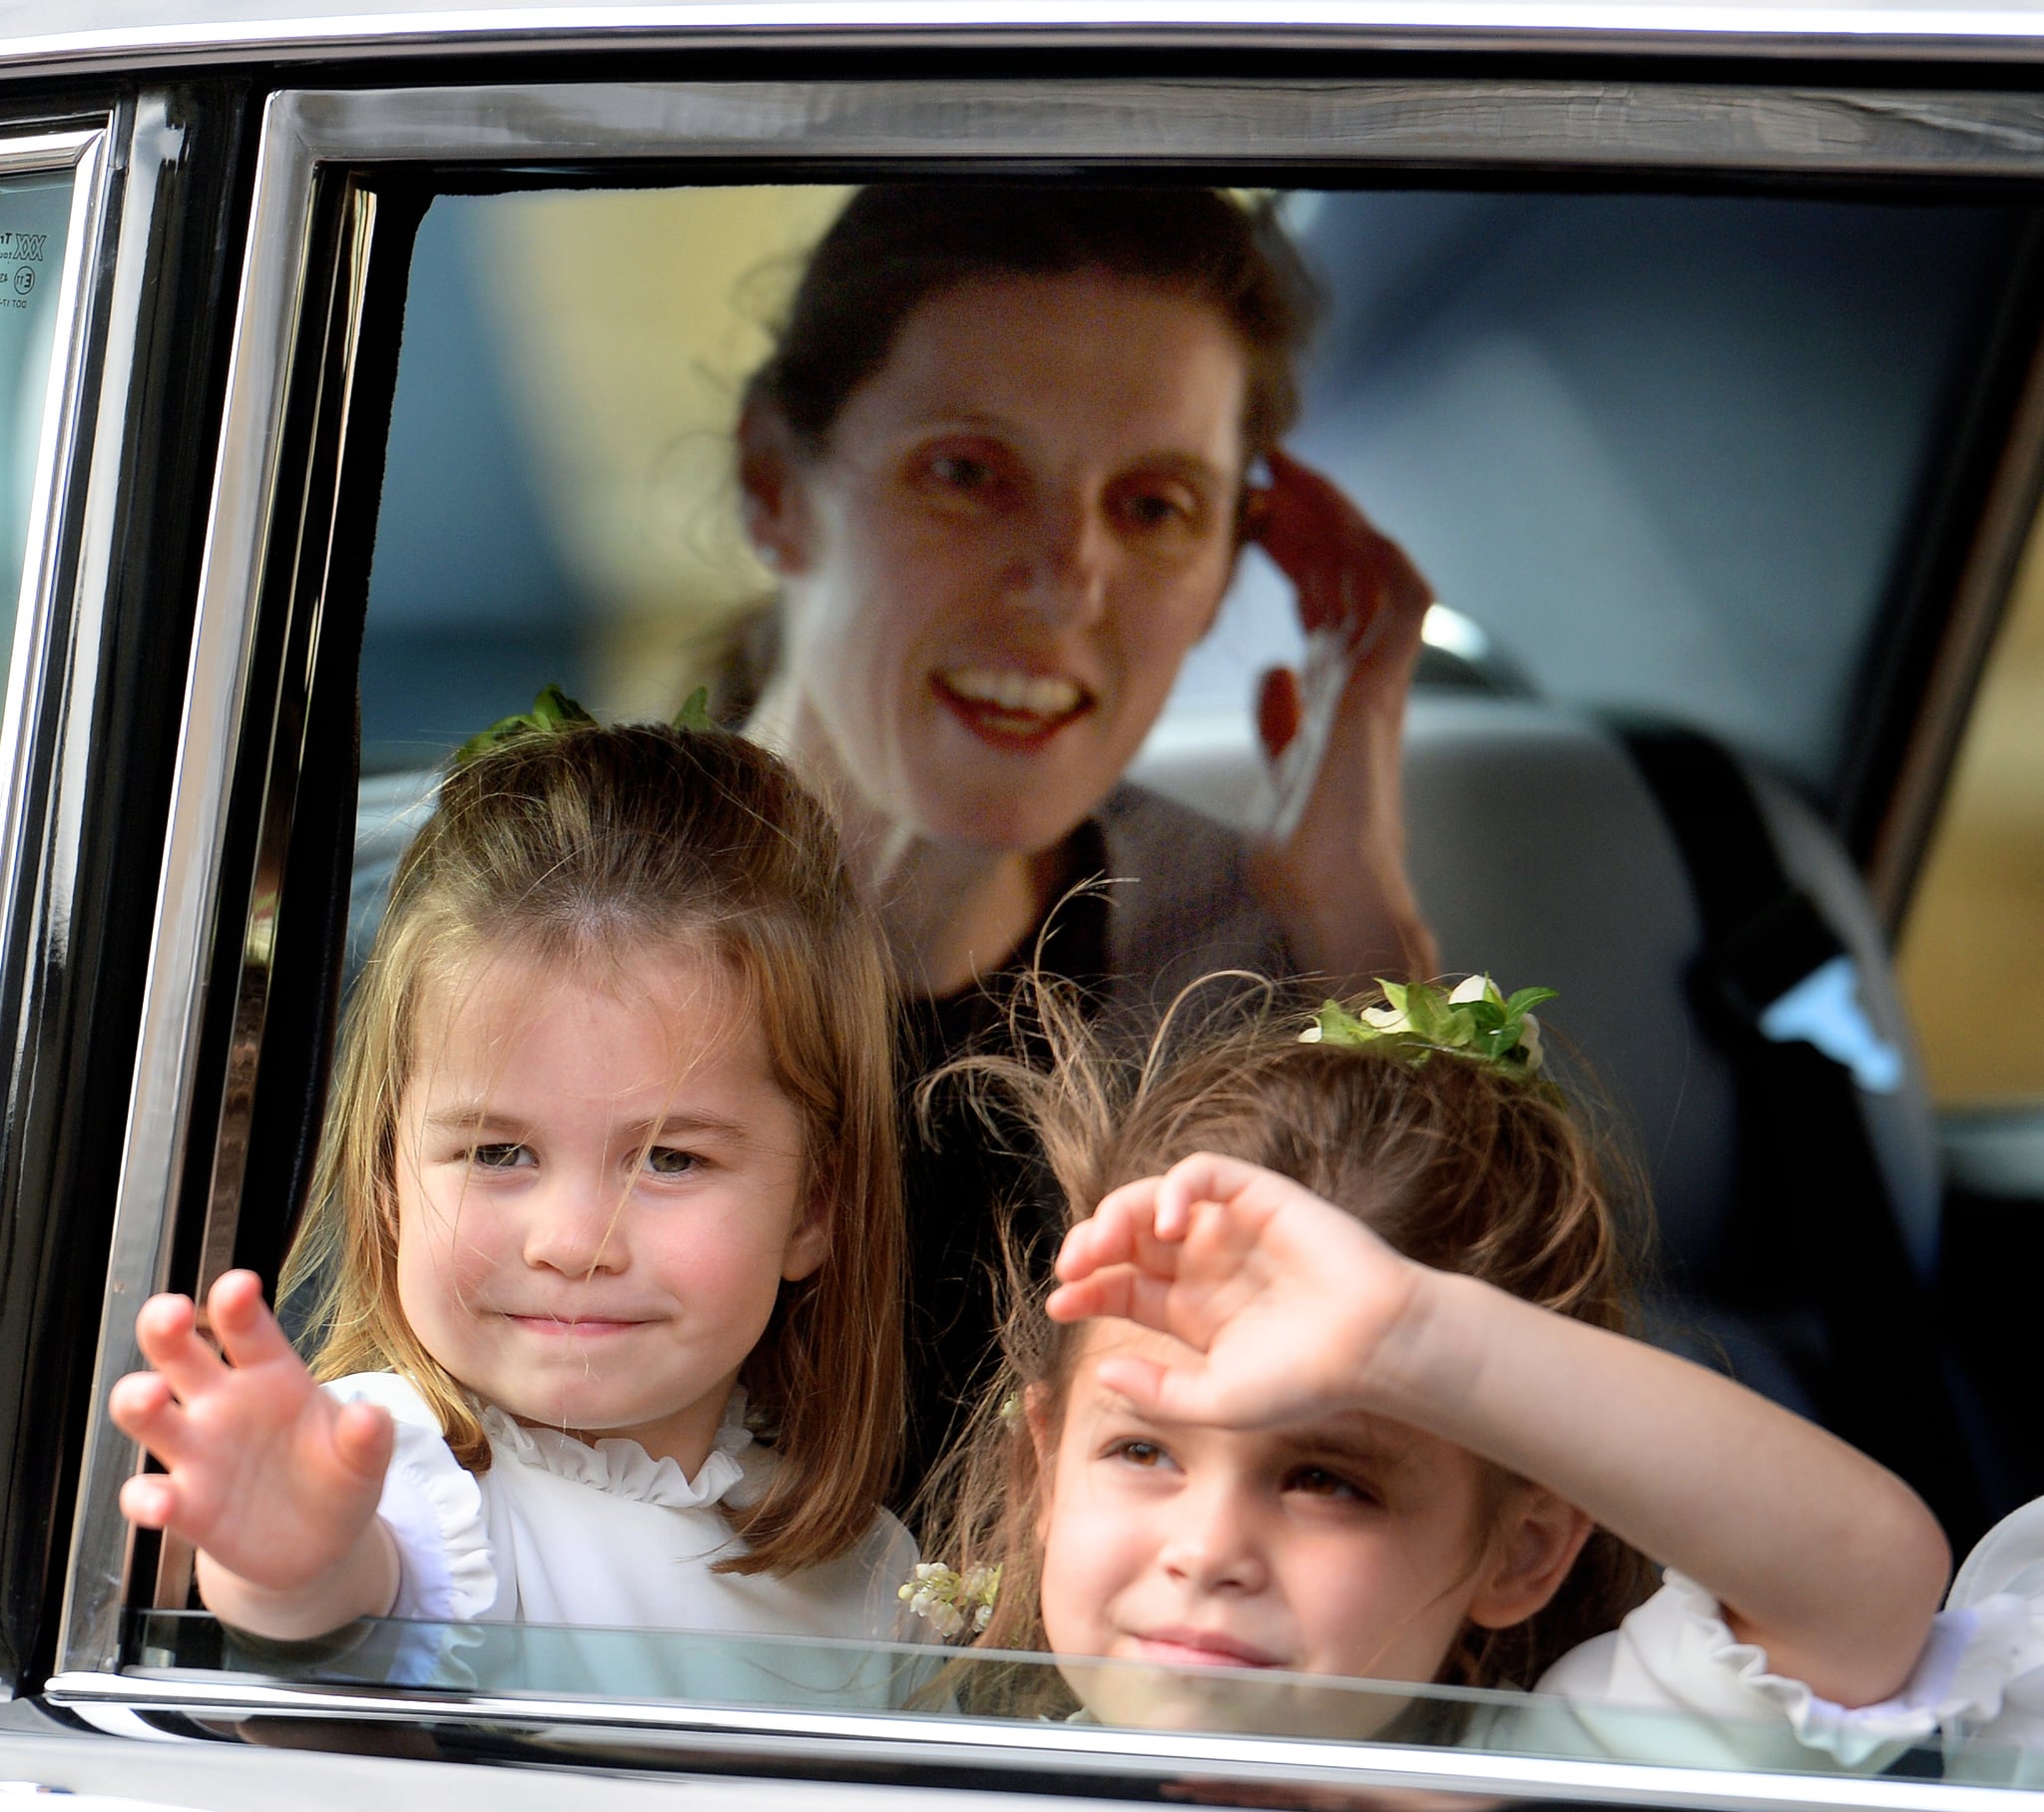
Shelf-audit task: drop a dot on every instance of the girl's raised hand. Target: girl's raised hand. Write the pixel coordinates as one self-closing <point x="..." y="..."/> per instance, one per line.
<point x="1293" y="1307"/>
<point x="274" y="1482"/>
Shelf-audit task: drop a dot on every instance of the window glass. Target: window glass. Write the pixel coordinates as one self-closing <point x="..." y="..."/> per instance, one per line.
<point x="1663" y="450"/>
<point x="817" y="1674"/>
<point x="35" y="216"/>
<point x="1658" y="453"/>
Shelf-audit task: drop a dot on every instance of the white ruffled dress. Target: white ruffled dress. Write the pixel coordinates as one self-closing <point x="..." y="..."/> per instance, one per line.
<point x="605" y="1542"/>
<point x="1994" y="1729"/>
<point x="1672" y="1684"/>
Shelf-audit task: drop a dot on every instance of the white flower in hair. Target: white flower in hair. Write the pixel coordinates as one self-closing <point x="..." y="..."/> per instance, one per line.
<point x="1473" y="1020"/>
<point x="950" y="1599"/>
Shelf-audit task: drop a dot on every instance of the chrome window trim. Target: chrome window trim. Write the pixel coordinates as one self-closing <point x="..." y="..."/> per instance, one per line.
<point x="84" y="153"/>
<point x="891" y="1740"/>
<point x="154" y="1142"/>
<point x="1439" y="125"/>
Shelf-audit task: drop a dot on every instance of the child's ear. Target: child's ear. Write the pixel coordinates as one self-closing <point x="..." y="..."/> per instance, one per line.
<point x="1536" y="1540"/>
<point x="808" y="1243"/>
<point x="774" y="504"/>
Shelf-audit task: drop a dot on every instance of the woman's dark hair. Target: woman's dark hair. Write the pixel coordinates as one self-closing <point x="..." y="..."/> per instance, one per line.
<point x="898" y="243"/>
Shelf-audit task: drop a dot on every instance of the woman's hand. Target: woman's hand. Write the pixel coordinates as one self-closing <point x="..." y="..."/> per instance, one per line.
<point x="1331" y="867"/>
<point x="1295" y="1308"/>
<point x="271" y="1480"/>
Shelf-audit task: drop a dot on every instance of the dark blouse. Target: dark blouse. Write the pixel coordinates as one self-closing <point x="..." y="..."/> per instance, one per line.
<point x="1178" y="905"/>
<point x="972" y="1189"/>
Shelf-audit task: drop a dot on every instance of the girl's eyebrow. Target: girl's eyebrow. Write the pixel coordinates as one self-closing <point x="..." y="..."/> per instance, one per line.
<point x="475" y="1119"/>
<point x="479" y="1118"/>
<point x="718" y="1125"/>
<point x="1358" y="1447"/>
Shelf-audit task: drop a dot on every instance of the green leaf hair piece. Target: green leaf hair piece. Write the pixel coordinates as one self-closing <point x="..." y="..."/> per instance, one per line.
<point x="551" y="710"/>
<point x="695" y="712"/>
<point x="1472" y="1020"/>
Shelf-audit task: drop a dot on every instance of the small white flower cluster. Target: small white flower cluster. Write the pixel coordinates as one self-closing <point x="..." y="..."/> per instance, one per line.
<point x="1473" y="1019"/>
<point x="950" y="1598"/>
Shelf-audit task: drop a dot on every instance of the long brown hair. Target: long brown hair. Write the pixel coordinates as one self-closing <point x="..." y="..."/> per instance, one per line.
<point x="1456" y="1164"/>
<point x="595" y="843"/>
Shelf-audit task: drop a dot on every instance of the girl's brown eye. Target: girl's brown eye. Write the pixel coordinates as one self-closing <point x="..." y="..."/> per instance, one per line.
<point x="1156" y="509"/>
<point x="1317" y="1482"/>
<point x="1139" y="1453"/>
<point x="500" y="1157"/>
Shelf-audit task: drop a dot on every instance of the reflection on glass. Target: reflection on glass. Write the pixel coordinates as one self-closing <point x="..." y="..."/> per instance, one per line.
<point x="34" y="214"/>
<point x="819" y="1675"/>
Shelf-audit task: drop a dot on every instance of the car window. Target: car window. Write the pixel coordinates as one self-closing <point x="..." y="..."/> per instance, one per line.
<point x="1663" y="453"/>
<point x="35" y="221"/>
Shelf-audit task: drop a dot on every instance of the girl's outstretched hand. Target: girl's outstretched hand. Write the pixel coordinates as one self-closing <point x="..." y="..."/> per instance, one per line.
<point x="1295" y="1308"/>
<point x="274" y="1482"/>
<point x="1331" y="866"/>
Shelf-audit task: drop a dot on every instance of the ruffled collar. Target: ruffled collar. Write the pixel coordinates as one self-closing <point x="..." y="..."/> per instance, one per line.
<point x="620" y="1465"/>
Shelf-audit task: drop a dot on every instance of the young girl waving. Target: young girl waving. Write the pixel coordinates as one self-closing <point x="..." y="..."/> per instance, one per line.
<point x="1334" y="1383"/>
<point x="607" y="1228"/>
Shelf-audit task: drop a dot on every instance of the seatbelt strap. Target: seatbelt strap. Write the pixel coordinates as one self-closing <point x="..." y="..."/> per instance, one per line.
<point x="1776" y="987"/>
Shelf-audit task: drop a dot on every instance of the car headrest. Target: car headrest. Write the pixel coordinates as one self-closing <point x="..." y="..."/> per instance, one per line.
<point x="1540" y="854"/>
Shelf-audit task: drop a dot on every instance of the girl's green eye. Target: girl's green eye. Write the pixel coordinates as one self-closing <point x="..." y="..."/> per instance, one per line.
<point x="669" y="1160"/>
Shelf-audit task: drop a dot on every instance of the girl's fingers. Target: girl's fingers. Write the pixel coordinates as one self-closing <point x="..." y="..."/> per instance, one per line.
<point x="165" y="1330"/>
<point x="1121" y="1292"/>
<point x="1114" y="1233"/>
<point x="149" y="1501"/>
<point x="248" y="1331"/>
<point x="142" y="1408"/>
<point x="1143" y="1381"/>
<point x="363" y="1436"/>
<point x="1205" y="1177"/>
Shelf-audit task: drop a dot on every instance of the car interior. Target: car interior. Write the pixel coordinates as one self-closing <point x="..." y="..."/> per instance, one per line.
<point x="1669" y="460"/>
<point x="1696" y="462"/>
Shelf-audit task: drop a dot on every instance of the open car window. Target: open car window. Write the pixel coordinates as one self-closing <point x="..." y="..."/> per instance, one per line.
<point x="1699" y="450"/>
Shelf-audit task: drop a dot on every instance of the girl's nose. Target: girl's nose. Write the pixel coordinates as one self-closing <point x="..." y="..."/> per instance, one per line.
<point x="575" y="1228"/>
<point x="1214" y="1540"/>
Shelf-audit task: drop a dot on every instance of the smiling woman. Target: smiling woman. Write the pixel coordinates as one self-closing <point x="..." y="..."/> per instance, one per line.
<point x="1000" y="461"/>
<point x="1000" y="464"/>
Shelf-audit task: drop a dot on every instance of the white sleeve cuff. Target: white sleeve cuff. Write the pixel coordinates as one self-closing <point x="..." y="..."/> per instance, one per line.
<point x="433" y="1506"/>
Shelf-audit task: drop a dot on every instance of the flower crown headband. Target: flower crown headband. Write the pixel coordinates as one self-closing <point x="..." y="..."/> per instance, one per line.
<point x="553" y="710"/>
<point x="1473" y="1020"/>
